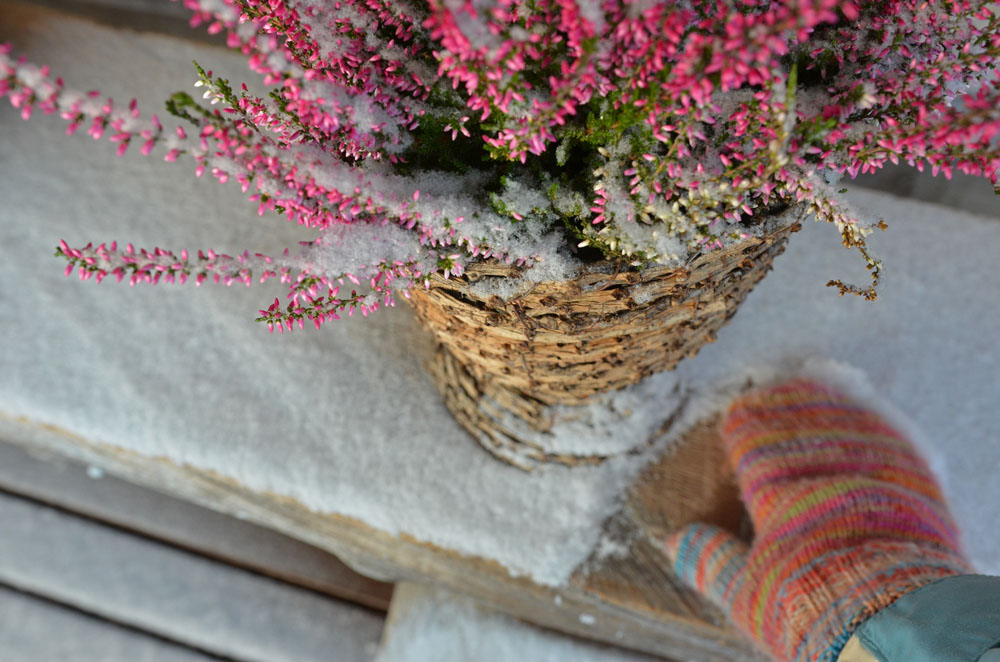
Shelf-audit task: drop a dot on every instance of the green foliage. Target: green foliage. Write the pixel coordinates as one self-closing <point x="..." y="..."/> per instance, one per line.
<point x="181" y="103"/>
<point x="434" y="149"/>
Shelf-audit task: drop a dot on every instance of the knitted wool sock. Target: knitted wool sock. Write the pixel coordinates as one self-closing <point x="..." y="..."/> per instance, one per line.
<point x="848" y="518"/>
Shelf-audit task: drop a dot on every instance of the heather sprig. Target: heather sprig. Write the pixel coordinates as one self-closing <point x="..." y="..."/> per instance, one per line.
<point x="312" y="297"/>
<point x="414" y="138"/>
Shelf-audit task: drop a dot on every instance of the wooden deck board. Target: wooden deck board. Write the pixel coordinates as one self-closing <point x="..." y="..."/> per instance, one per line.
<point x="691" y="483"/>
<point x="64" y="484"/>
<point x="679" y="632"/>
<point x="27" y="625"/>
<point x="428" y="624"/>
<point x="174" y="595"/>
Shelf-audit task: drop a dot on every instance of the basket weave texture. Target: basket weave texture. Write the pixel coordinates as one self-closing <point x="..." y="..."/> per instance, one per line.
<point x="564" y="341"/>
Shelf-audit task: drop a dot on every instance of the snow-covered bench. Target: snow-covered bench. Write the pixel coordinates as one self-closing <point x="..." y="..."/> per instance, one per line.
<point x="337" y="437"/>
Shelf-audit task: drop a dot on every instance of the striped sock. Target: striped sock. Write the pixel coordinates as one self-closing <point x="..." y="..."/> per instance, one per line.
<point x="848" y="518"/>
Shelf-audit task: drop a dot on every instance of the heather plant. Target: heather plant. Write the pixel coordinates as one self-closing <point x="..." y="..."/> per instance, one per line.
<point x="415" y="138"/>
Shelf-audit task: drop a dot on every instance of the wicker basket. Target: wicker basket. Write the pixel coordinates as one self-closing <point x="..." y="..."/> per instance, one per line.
<point x="565" y="341"/>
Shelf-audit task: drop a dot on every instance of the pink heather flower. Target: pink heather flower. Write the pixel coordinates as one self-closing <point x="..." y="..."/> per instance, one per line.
<point x="386" y="121"/>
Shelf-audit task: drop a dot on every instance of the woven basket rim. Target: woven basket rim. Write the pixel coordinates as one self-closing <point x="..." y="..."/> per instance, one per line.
<point x="619" y="270"/>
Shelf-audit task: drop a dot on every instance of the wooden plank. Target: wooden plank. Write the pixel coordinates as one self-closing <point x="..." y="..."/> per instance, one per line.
<point x="428" y="623"/>
<point x="691" y="483"/>
<point x="178" y="596"/>
<point x="27" y="625"/>
<point x="680" y="632"/>
<point x="66" y="485"/>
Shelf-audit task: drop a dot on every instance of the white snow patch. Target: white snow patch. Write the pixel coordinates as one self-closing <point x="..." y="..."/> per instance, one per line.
<point x="554" y="262"/>
<point x="611" y="548"/>
<point x="617" y="423"/>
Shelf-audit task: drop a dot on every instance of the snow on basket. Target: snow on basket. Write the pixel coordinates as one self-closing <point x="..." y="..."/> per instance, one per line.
<point x="575" y="193"/>
<point x="502" y="364"/>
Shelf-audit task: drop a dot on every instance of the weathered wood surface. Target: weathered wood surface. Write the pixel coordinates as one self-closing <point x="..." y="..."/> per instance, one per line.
<point x="68" y="485"/>
<point x="160" y="592"/>
<point x="665" y="622"/>
<point x="27" y="624"/>
<point x="428" y="623"/>
<point x="692" y="483"/>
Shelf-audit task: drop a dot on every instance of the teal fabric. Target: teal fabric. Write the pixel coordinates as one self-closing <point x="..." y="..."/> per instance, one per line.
<point x="956" y="619"/>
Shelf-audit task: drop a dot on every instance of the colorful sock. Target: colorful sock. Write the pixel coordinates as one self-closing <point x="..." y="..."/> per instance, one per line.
<point x="848" y="518"/>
